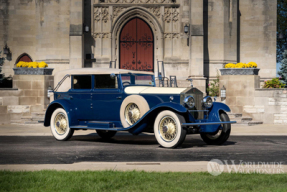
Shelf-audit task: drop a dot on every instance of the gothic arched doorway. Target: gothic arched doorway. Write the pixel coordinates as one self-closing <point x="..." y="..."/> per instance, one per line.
<point x="137" y="46"/>
<point x="24" y="57"/>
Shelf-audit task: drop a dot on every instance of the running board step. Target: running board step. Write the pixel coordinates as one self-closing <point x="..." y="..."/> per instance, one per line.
<point x="98" y="128"/>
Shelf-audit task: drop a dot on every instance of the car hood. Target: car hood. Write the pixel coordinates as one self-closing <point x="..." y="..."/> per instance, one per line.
<point x="153" y="90"/>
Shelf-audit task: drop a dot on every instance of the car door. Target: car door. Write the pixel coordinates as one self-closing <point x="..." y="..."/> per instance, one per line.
<point x="107" y="98"/>
<point x="81" y="97"/>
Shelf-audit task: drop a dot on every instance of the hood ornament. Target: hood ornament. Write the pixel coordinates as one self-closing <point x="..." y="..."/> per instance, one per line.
<point x="190" y="80"/>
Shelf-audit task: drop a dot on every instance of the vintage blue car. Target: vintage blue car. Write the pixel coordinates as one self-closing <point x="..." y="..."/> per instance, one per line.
<point x="111" y="100"/>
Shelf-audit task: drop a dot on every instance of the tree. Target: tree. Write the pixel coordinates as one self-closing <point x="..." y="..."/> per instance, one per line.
<point x="281" y="28"/>
<point x="283" y="68"/>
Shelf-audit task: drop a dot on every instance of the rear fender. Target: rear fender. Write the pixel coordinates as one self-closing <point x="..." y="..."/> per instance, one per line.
<point x="66" y="105"/>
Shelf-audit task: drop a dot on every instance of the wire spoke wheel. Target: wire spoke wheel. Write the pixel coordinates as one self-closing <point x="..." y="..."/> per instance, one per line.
<point x="168" y="128"/>
<point x="60" y="123"/>
<point x="132" y="113"/>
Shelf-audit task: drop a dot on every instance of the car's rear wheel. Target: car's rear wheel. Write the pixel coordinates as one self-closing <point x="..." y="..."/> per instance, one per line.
<point x="167" y="129"/>
<point x="59" y="124"/>
<point x="221" y="135"/>
<point x="106" y="134"/>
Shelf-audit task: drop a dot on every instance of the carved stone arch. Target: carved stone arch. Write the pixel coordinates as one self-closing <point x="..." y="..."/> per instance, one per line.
<point x="130" y="13"/>
<point x="150" y="19"/>
<point x="24" y="57"/>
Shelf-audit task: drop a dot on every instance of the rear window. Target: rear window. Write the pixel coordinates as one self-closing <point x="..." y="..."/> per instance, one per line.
<point x="82" y="82"/>
<point x="105" y="82"/>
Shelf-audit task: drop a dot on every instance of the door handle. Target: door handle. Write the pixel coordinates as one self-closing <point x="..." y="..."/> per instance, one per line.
<point x="71" y="97"/>
<point x="120" y="97"/>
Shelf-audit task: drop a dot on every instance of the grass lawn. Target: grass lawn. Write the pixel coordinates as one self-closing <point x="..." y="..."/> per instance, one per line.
<point x="138" y="181"/>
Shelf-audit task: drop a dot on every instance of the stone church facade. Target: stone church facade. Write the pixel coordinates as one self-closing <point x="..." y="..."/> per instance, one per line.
<point x="191" y="37"/>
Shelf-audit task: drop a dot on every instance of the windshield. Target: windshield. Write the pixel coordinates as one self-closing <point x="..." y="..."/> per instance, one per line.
<point x="137" y="79"/>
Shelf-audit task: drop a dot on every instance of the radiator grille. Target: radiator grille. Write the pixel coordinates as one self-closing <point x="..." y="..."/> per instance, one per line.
<point x="198" y="96"/>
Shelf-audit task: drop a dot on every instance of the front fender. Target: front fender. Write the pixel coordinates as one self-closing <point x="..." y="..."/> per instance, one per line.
<point x="61" y="103"/>
<point x="150" y="116"/>
<point x="214" y="116"/>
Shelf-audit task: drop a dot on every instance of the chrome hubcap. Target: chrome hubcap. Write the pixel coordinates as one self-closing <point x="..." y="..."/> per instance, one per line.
<point x="61" y="123"/>
<point x="132" y="113"/>
<point x="168" y="128"/>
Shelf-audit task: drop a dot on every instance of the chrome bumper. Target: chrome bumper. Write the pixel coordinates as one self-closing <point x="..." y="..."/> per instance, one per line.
<point x="208" y="123"/>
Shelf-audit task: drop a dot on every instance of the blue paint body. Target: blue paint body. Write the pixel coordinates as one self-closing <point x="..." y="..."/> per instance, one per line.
<point x="100" y="109"/>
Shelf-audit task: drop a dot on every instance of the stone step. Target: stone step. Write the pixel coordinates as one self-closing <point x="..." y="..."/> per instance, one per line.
<point x="234" y="115"/>
<point x="252" y="123"/>
<point x="16" y="122"/>
<point x="38" y="114"/>
<point x="249" y="123"/>
<point x="32" y="122"/>
<point x="246" y="119"/>
<point x="26" y="117"/>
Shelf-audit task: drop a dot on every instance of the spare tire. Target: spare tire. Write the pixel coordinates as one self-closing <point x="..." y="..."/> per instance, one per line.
<point x="132" y="109"/>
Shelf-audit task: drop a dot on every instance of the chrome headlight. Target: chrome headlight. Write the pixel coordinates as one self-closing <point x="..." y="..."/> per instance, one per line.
<point x="189" y="101"/>
<point x="207" y="102"/>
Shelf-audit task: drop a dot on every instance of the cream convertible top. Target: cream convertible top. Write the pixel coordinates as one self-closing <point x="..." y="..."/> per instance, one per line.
<point x="67" y="83"/>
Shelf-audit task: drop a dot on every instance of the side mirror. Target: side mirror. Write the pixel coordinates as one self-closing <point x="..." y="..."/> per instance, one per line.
<point x="112" y="75"/>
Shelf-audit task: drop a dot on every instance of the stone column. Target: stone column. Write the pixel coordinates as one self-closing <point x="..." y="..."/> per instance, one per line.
<point x="76" y="34"/>
<point x="196" y="61"/>
<point x="240" y="90"/>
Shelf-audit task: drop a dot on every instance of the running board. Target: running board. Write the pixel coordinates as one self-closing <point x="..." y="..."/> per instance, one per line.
<point x="208" y="123"/>
<point x="99" y="128"/>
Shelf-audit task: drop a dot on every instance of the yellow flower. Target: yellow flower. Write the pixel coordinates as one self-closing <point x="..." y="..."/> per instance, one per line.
<point x="33" y="65"/>
<point x="252" y="64"/>
<point x="229" y="65"/>
<point x="240" y="65"/>
<point x="42" y="64"/>
<point x="25" y="64"/>
<point x="20" y="64"/>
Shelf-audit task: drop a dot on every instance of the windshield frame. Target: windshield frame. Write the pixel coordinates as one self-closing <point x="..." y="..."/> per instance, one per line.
<point x="136" y="74"/>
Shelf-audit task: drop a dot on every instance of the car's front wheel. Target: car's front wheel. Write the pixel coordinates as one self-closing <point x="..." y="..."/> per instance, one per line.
<point x="167" y="129"/>
<point x="221" y="135"/>
<point x="59" y="124"/>
<point x="106" y="134"/>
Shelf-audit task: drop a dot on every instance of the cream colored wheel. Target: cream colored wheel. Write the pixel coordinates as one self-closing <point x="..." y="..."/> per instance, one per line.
<point x="132" y="113"/>
<point x="132" y="109"/>
<point x="60" y="125"/>
<point x="167" y="129"/>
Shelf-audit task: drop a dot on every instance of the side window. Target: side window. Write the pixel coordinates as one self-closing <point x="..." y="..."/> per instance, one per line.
<point x="105" y="82"/>
<point x="82" y="82"/>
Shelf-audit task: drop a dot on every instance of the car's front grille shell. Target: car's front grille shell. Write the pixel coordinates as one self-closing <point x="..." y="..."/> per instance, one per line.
<point x="198" y="96"/>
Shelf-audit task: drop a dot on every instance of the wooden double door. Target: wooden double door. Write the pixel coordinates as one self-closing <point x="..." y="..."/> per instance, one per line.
<point x="137" y="46"/>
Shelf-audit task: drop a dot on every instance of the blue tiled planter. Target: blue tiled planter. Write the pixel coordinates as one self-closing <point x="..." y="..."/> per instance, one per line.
<point x="33" y="71"/>
<point x="239" y="71"/>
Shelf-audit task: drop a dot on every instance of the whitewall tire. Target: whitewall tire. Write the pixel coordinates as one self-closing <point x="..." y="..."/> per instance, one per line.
<point x="59" y="124"/>
<point x="132" y="109"/>
<point x="168" y="130"/>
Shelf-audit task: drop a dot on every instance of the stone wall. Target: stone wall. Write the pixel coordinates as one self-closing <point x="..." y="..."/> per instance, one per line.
<point x="28" y="96"/>
<point x="45" y="30"/>
<point x="221" y="31"/>
<point x="268" y="105"/>
<point x="258" y="26"/>
<point x="239" y="90"/>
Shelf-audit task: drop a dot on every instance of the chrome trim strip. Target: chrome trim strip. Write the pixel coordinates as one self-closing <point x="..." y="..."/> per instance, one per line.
<point x="209" y="123"/>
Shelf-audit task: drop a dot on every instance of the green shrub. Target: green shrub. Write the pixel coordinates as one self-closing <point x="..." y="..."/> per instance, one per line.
<point x="213" y="87"/>
<point x="274" y="83"/>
